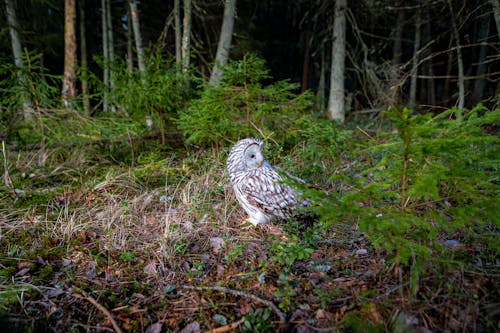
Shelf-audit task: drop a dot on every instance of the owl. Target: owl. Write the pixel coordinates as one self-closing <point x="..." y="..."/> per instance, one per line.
<point x="257" y="185"/>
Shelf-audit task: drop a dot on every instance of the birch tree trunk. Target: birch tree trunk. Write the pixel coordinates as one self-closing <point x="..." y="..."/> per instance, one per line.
<point x="414" y="70"/>
<point x="186" y="36"/>
<point x="226" y="34"/>
<point x="178" y="33"/>
<point x="69" y="86"/>
<point x="461" y="86"/>
<point x="137" y="36"/>
<point x="18" y="55"/>
<point x="83" y="58"/>
<point x="336" y="98"/>
<point x="105" y="56"/>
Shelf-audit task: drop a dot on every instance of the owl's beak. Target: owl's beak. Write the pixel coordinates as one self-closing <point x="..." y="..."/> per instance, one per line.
<point x="259" y="164"/>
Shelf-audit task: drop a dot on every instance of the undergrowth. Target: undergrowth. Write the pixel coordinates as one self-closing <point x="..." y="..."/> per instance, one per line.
<point x="403" y="235"/>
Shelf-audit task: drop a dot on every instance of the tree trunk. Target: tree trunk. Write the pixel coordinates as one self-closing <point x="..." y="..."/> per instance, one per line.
<point x="18" y="55"/>
<point x="430" y="91"/>
<point x="320" y="97"/>
<point x="178" y="33"/>
<point x="186" y="36"/>
<point x="105" y="56"/>
<point x="226" y="34"/>
<point x="414" y="70"/>
<point x="307" y="61"/>
<point x="130" y="42"/>
<point x="83" y="58"/>
<point x="69" y="86"/>
<point x="461" y="86"/>
<point x="398" y="39"/>
<point x="483" y="29"/>
<point x="336" y="99"/>
<point x="495" y="4"/>
<point x="137" y="36"/>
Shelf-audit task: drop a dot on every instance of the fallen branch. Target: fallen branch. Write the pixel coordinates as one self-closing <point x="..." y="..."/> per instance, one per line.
<point x="101" y="308"/>
<point x="267" y="303"/>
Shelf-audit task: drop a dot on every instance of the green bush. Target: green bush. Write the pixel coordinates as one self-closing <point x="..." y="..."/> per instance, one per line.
<point x="420" y="181"/>
<point x="242" y="106"/>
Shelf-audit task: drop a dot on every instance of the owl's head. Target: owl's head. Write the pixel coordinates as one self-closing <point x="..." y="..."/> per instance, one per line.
<point x="246" y="155"/>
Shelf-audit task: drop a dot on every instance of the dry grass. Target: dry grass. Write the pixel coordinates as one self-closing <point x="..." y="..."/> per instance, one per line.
<point x="116" y="252"/>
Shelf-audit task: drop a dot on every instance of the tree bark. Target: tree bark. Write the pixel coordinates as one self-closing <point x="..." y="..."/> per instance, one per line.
<point x="178" y="33"/>
<point x="83" y="58"/>
<point x="482" y="37"/>
<point x="461" y="86"/>
<point x="69" y="86"/>
<point x="130" y="42"/>
<point x="495" y="4"/>
<point x="18" y="55"/>
<point x="336" y="98"/>
<point x="414" y="70"/>
<point x="137" y="36"/>
<point x="320" y="97"/>
<point x="186" y="36"/>
<point x="224" y="45"/>
<point x="398" y="39"/>
<point x="105" y="56"/>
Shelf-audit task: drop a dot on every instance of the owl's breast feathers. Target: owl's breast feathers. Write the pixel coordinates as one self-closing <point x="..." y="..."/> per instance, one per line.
<point x="262" y="188"/>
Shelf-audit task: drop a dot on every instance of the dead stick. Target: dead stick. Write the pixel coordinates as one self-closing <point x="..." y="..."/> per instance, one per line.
<point x="269" y="304"/>
<point x="102" y="309"/>
<point x="227" y="328"/>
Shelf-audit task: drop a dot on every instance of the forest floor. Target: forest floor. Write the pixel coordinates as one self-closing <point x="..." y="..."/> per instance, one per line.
<point x="89" y="246"/>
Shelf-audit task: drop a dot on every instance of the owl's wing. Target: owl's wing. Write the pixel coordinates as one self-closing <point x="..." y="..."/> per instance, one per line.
<point x="263" y="188"/>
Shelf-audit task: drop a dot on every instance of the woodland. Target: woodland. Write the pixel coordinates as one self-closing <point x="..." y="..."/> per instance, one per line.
<point x="116" y="211"/>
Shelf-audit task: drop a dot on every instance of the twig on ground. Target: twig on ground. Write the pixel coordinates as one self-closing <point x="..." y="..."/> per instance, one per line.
<point x="227" y="328"/>
<point x="269" y="304"/>
<point x="99" y="307"/>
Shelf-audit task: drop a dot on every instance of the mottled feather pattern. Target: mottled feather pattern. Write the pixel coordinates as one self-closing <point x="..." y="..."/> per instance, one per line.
<point x="257" y="185"/>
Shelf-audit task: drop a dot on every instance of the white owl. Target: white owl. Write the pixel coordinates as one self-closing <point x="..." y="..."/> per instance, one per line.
<point x="257" y="185"/>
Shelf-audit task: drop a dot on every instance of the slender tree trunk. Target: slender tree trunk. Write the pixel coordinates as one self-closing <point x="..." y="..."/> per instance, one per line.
<point x="414" y="70"/>
<point x="336" y="99"/>
<point x="307" y="61"/>
<point x="226" y="34"/>
<point x="461" y="86"/>
<point x="69" y="86"/>
<point x="18" y="55"/>
<point x="105" y="56"/>
<point x="396" y="59"/>
<point x="130" y="42"/>
<point x="495" y="4"/>
<point x="137" y="36"/>
<point x="429" y="65"/>
<point x="83" y="58"/>
<point x="178" y="33"/>
<point x="186" y="36"/>
<point x="484" y="28"/>
<point x="398" y="39"/>
<point x="320" y="98"/>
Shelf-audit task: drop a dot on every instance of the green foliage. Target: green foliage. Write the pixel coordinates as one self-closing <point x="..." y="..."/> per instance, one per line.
<point x="431" y="176"/>
<point x="157" y="92"/>
<point x="31" y="83"/>
<point x="287" y="253"/>
<point x="258" y="320"/>
<point x="242" y="106"/>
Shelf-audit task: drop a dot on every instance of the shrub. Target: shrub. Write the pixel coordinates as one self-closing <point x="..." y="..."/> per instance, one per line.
<point x="242" y="106"/>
